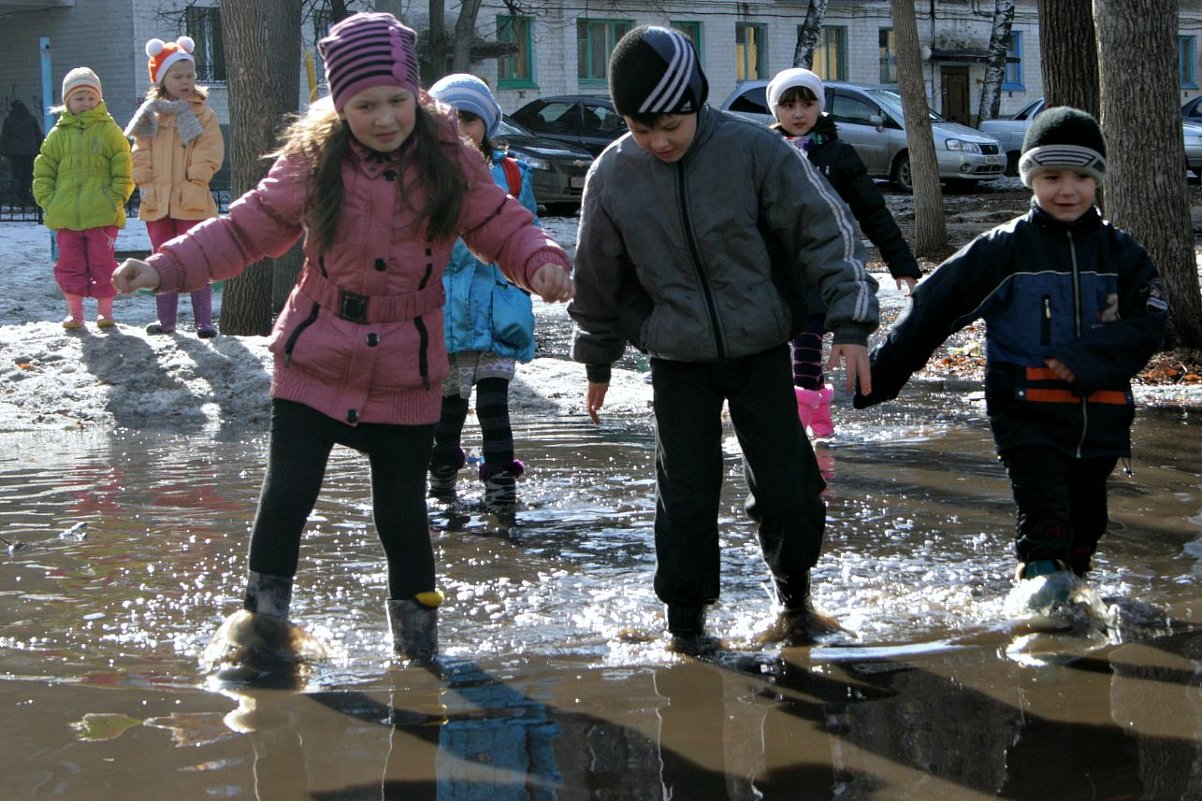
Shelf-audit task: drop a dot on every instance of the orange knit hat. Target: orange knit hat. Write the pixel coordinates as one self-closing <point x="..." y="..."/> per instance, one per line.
<point x="164" y="54"/>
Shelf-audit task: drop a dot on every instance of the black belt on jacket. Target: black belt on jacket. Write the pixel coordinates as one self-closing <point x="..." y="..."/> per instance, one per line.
<point x="357" y="308"/>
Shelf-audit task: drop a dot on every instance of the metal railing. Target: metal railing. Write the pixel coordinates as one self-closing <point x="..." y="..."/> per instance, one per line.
<point x="15" y="208"/>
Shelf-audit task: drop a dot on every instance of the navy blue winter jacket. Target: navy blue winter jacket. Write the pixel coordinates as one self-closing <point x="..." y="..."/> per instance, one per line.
<point x="1084" y="293"/>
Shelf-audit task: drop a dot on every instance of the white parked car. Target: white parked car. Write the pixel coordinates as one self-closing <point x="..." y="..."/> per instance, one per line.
<point x="1011" y="130"/>
<point x="869" y="118"/>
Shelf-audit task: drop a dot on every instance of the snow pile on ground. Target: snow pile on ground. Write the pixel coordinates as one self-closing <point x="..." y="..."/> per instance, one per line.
<point x="123" y="377"/>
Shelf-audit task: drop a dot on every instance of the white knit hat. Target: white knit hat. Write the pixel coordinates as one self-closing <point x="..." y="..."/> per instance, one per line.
<point x="791" y="78"/>
<point x="81" y="78"/>
<point x="164" y="54"/>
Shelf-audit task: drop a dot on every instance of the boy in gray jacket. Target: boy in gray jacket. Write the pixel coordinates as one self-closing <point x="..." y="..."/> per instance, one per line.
<point x="687" y="226"/>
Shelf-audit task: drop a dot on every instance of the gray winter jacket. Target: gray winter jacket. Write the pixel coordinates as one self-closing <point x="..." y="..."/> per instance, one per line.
<point x="674" y="257"/>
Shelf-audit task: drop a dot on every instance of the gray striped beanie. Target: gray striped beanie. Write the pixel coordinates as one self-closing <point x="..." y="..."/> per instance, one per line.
<point x="367" y="50"/>
<point x="1063" y="138"/>
<point x="654" y="70"/>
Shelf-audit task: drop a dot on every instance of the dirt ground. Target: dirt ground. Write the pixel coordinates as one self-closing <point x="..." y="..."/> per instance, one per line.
<point x="971" y="213"/>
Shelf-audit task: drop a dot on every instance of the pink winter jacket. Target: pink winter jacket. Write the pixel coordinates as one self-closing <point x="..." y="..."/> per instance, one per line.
<point x="361" y="337"/>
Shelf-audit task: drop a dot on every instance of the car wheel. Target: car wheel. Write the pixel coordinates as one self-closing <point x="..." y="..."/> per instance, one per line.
<point x="901" y="174"/>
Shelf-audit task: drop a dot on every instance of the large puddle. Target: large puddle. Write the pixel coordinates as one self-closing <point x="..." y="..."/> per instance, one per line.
<point x="543" y="693"/>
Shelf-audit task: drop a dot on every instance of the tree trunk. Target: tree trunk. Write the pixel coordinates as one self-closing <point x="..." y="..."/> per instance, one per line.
<point x="1146" y="191"/>
<point x="995" y="67"/>
<point x="930" y="227"/>
<point x="1068" y="47"/>
<point x="465" y="34"/>
<point x="434" y="65"/>
<point x="808" y="33"/>
<point x="262" y="54"/>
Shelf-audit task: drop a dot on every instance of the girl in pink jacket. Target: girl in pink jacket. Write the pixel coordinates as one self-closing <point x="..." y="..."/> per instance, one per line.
<point x="380" y="185"/>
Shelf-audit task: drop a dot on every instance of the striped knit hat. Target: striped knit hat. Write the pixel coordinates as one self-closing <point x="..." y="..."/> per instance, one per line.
<point x="465" y="92"/>
<point x="1063" y="138"/>
<point x="164" y="54"/>
<point x="367" y="50"/>
<point x="654" y="70"/>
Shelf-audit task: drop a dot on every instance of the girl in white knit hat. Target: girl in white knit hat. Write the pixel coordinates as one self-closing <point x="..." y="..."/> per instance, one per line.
<point x="177" y="148"/>
<point x="81" y="179"/>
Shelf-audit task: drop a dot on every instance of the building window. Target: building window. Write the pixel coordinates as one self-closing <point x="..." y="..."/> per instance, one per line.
<point x="1013" y="82"/>
<point x="204" y="26"/>
<point x="1185" y="62"/>
<point x="691" y="30"/>
<point x="887" y="46"/>
<point x="830" y="57"/>
<point x="595" y="40"/>
<point x="751" y="57"/>
<point x="515" y="71"/>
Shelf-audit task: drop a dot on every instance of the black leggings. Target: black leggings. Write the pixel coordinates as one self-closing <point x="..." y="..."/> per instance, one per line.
<point x="807" y="354"/>
<point x="300" y="445"/>
<point x="492" y="410"/>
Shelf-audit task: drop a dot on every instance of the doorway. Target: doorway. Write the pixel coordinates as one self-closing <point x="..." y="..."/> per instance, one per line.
<point x="954" y="81"/>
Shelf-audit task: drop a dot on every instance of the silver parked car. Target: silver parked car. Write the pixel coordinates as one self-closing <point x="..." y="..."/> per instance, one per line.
<point x="1011" y="130"/>
<point x="869" y="118"/>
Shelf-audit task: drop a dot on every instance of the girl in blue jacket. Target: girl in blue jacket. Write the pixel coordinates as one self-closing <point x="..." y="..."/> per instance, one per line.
<point x="489" y="323"/>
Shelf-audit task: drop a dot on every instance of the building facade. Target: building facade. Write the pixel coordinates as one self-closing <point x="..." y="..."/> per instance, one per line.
<point x="562" y="46"/>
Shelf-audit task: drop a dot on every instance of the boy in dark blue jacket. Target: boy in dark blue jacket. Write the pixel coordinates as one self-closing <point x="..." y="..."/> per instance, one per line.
<point x="1073" y="308"/>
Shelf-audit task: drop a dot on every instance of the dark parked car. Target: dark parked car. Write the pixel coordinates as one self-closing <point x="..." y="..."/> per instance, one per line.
<point x="587" y="121"/>
<point x="558" y="169"/>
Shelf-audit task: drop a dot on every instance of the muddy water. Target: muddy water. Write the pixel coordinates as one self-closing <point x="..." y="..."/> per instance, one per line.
<point x="543" y="694"/>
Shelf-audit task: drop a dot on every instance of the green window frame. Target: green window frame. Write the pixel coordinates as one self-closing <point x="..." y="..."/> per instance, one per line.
<point x="751" y="51"/>
<point x="830" y="56"/>
<point x="887" y="46"/>
<point x="595" y="40"/>
<point x="691" y="29"/>
<point x="516" y="71"/>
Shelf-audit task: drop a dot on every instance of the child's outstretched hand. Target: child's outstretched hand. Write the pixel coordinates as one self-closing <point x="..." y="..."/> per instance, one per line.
<point x="552" y="284"/>
<point x="856" y="363"/>
<point x="133" y="275"/>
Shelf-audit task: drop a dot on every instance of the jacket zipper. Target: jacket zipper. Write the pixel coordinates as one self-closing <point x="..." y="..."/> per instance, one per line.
<point x="697" y="264"/>
<point x="308" y="321"/>
<point x="1072" y="250"/>
<point x="423" y="334"/>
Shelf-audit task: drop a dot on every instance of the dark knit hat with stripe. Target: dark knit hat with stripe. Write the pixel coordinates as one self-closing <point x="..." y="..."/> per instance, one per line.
<point x="654" y="70"/>
<point x="368" y="50"/>
<point x="1063" y="138"/>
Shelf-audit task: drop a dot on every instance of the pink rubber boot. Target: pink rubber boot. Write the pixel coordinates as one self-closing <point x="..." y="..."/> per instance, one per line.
<point x="807" y="405"/>
<point x="74" y="318"/>
<point x="821" y="424"/>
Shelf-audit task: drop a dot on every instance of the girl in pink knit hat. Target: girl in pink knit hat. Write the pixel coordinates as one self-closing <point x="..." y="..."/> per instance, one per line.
<point x="379" y="185"/>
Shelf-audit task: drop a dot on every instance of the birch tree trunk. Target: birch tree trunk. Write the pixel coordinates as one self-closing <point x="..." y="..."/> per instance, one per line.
<point x="262" y="56"/>
<point x="1068" y="48"/>
<point x="807" y="35"/>
<point x="1146" y="191"/>
<point x="930" y="227"/>
<point x="995" y="67"/>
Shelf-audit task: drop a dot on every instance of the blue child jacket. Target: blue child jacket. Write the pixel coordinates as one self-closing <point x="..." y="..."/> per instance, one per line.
<point x="470" y="284"/>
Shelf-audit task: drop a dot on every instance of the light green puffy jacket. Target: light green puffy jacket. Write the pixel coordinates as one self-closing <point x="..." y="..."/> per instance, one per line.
<point x="83" y="174"/>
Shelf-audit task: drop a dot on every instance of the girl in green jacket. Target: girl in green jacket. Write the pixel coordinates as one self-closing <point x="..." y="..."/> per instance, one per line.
<point x="81" y="179"/>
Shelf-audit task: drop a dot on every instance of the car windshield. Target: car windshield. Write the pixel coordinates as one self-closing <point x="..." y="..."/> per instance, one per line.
<point x="507" y="127"/>
<point x="892" y="103"/>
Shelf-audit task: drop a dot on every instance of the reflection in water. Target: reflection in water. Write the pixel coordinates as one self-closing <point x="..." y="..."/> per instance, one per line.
<point x="539" y="698"/>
